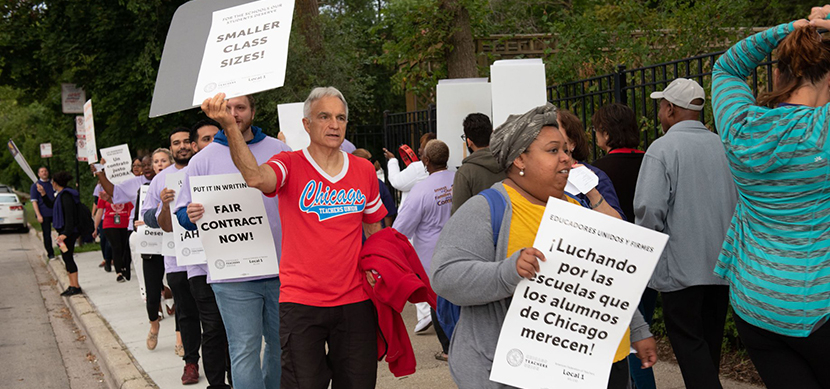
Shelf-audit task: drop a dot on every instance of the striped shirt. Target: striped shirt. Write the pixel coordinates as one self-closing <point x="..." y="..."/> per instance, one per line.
<point x="776" y="255"/>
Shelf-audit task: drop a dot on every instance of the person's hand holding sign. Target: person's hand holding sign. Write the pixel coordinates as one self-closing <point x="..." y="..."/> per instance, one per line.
<point x="195" y="211"/>
<point x="216" y="108"/>
<point x="528" y="263"/>
<point x="646" y="351"/>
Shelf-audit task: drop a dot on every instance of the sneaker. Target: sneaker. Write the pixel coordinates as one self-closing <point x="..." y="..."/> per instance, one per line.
<point x="423" y="324"/>
<point x="102" y="263"/>
<point x="152" y="341"/>
<point x="71" y="291"/>
<point x="120" y="278"/>
<point x="191" y="374"/>
<point x="179" y="350"/>
<point x="107" y="267"/>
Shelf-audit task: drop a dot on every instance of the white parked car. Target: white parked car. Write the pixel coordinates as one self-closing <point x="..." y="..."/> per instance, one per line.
<point x="12" y="213"/>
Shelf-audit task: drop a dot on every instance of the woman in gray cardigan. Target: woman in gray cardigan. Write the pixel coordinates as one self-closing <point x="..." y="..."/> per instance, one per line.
<point x="480" y="276"/>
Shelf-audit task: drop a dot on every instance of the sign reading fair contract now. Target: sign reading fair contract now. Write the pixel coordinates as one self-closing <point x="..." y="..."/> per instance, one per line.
<point x="564" y="326"/>
<point x="246" y="50"/>
<point x="188" y="246"/>
<point x="234" y="230"/>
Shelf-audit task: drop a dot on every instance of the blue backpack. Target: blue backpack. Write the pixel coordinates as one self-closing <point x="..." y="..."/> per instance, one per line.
<point x="448" y="313"/>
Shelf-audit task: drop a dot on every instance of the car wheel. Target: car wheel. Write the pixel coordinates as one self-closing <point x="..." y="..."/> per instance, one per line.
<point x="25" y="228"/>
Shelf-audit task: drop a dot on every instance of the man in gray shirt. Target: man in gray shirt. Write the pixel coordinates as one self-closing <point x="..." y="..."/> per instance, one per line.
<point x="685" y="190"/>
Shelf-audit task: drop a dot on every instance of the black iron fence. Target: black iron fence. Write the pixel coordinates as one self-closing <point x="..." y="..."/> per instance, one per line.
<point x="631" y="87"/>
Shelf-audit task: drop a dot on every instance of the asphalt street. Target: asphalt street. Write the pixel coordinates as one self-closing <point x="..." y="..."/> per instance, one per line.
<point x="41" y="345"/>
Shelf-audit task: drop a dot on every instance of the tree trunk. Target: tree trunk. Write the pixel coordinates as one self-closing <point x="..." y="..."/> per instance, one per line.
<point x="461" y="56"/>
<point x="307" y="13"/>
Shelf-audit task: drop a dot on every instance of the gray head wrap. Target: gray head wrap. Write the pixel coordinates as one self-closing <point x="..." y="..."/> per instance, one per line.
<point x="513" y="137"/>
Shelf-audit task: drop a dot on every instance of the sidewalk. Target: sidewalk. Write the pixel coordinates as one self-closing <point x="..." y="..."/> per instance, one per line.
<point x="114" y="317"/>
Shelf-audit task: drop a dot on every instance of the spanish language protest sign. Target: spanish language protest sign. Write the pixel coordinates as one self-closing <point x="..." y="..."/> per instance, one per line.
<point x="119" y="164"/>
<point x="188" y="245"/>
<point x="246" y="49"/>
<point x="21" y="160"/>
<point x="234" y="229"/>
<point x="564" y="326"/>
<point x="149" y="239"/>
<point x="91" y="150"/>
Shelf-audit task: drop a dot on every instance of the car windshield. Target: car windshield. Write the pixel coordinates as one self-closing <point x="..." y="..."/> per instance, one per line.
<point x="8" y="199"/>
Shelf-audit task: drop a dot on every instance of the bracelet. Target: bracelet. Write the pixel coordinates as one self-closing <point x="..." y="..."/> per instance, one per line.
<point x="601" y="199"/>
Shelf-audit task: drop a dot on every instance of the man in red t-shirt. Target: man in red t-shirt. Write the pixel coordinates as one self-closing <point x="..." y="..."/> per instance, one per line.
<point x="326" y="196"/>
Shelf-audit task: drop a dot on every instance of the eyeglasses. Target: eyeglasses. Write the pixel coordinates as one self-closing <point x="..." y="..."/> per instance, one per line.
<point x="464" y="137"/>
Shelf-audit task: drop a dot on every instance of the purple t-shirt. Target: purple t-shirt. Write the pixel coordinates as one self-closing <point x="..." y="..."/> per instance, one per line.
<point x="127" y="192"/>
<point x="423" y="215"/>
<point x="216" y="159"/>
<point x="153" y="201"/>
<point x="347" y="146"/>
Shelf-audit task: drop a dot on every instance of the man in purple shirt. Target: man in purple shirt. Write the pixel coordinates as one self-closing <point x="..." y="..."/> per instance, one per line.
<point x="156" y="204"/>
<point x="249" y="306"/>
<point x="423" y="215"/>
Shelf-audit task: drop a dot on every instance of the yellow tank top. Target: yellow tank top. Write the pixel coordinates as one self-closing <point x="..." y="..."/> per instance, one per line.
<point x="523" y="226"/>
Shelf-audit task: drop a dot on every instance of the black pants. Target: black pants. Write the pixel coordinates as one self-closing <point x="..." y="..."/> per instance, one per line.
<point x="187" y="315"/>
<point x="786" y="361"/>
<point x="215" y="358"/>
<point x="442" y="337"/>
<point x="694" y="318"/>
<point x="119" y="240"/>
<point x="69" y="255"/>
<point x="46" y="228"/>
<point x="618" y="378"/>
<point x="350" y="331"/>
<point x="153" y="275"/>
<point x="106" y="249"/>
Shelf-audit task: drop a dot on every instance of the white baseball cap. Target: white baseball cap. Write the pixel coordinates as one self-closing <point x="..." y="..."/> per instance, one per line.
<point x="681" y="92"/>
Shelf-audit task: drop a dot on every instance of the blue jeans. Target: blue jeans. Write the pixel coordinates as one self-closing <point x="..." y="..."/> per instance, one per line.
<point x="250" y="310"/>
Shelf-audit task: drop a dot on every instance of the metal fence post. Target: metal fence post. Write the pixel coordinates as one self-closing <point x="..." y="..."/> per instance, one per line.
<point x="385" y="129"/>
<point x="619" y="84"/>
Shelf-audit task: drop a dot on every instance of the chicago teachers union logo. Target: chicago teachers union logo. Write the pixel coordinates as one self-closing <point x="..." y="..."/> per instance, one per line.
<point x="327" y="203"/>
<point x="515" y="357"/>
<point x="220" y="264"/>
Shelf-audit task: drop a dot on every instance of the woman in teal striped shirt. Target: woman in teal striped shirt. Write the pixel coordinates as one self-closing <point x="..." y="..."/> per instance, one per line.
<point x="777" y="252"/>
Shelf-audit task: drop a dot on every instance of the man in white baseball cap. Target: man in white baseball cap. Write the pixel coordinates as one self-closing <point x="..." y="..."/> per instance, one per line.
<point x="685" y="190"/>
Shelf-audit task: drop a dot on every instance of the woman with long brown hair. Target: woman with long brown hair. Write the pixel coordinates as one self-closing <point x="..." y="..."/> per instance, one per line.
<point x="776" y="255"/>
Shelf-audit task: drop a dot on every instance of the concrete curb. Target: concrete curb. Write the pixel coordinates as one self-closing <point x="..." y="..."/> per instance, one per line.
<point x="120" y="368"/>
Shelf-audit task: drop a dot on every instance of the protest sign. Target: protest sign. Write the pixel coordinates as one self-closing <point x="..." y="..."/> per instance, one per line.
<point x="119" y="164"/>
<point x="517" y="86"/>
<point x="72" y="98"/>
<point x="46" y="150"/>
<point x="188" y="245"/>
<point x="21" y="160"/>
<point x="564" y="326"/>
<point x="80" y="138"/>
<point x="234" y="229"/>
<point x="291" y="125"/>
<point x="149" y="239"/>
<point x="456" y="99"/>
<point x="89" y="134"/>
<point x="246" y="50"/>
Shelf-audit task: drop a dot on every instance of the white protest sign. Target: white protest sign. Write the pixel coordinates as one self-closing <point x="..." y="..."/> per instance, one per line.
<point x="168" y="244"/>
<point x="46" y="150"/>
<point x="18" y="157"/>
<point x="234" y="229"/>
<point x="291" y="125"/>
<point x="72" y="98"/>
<point x="149" y="239"/>
<point x="581" y="180"/>
<point x="119" y="164"/>
<point x="80" y="138"/>
<point x="189" y="250"/>
<point x="246" y="50"/>
<point x="456" y="99"/>
<point x="89" y="133"/>
<point x="563" y="327"/>
<point x="518" y="85"/>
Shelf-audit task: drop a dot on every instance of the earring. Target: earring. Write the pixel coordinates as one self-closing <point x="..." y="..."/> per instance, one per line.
<point x="522" y="172"/>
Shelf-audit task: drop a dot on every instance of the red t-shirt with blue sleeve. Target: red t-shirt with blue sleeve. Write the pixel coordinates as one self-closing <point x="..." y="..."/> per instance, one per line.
<point x="322" y="218"/>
